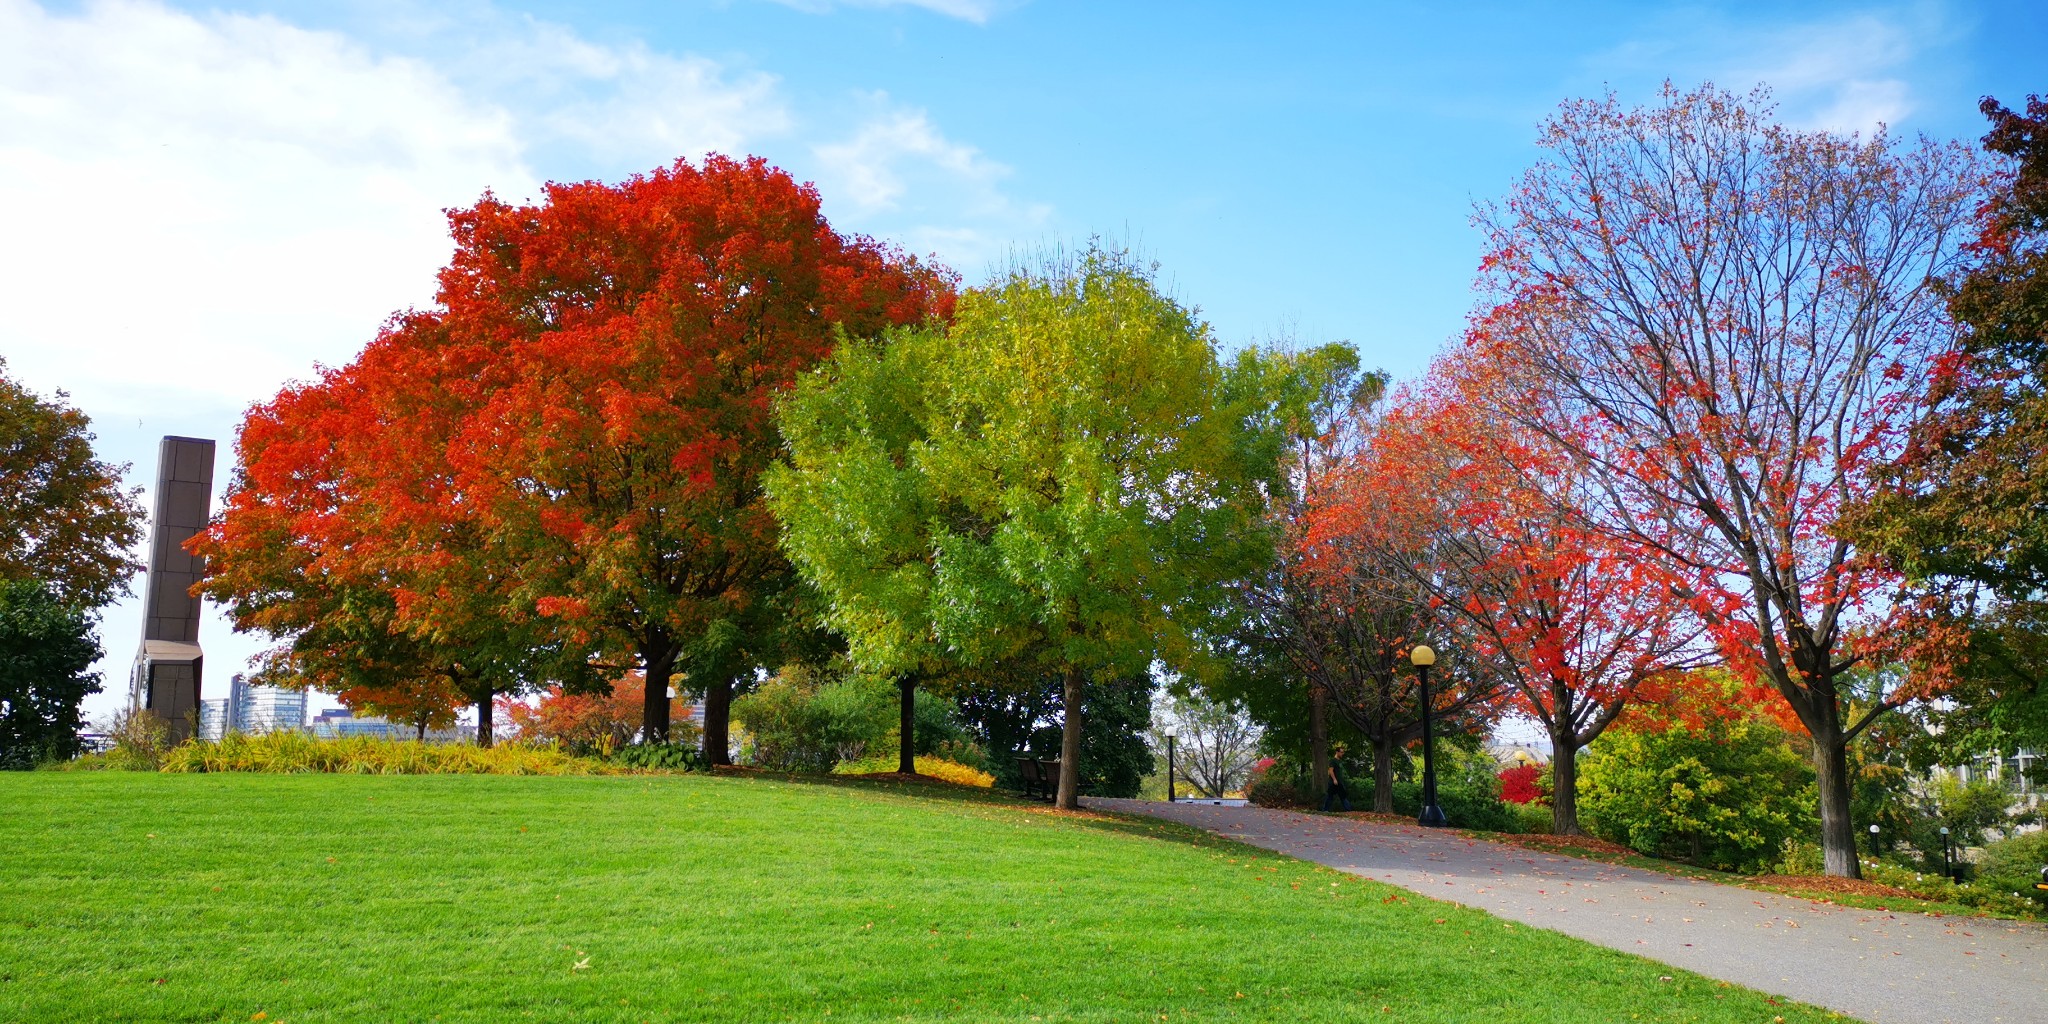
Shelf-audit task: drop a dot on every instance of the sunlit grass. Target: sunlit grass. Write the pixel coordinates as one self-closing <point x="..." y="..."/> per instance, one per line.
<point x="128" y="896"/>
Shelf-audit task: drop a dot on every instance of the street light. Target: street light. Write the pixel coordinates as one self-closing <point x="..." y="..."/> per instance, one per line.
<point x="1169" y="764"/>
<point x="1873" y="842"/>
<point x="1432" y="815"/>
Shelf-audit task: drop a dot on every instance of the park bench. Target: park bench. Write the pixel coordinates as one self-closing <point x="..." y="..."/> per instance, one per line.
<point x="1041" y="778"/>
<point x="1035" y="780"/>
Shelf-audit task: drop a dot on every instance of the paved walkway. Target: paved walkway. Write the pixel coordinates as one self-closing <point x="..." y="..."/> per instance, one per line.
<point x="1881" y="967"/>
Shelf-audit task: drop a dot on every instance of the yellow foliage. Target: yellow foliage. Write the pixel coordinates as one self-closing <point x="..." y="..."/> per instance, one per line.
<point x="293" y="752"/>
<point x="935" y="767"/>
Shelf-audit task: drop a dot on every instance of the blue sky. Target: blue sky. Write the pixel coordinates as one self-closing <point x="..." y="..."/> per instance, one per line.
<point x="209" y="200"/>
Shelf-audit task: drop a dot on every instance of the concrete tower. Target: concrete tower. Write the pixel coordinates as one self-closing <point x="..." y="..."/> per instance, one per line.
<point x="166" y="678"/>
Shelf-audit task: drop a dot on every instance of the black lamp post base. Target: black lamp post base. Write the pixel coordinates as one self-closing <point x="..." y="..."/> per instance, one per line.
<point x="1432" y="817"/>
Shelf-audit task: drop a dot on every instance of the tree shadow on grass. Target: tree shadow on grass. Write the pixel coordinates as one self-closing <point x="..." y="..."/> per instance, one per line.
<point x="932" y="790"/>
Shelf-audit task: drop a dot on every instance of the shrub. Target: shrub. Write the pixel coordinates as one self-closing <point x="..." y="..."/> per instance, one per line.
<point x="1531" y="819"/>
<point x="295" y="752"/>
<point x="140" y="742"/>
<point x="2014" y="865"/>
<point x="936" y="767"/>
<point x="594" y="723"/>
<point x="805" y="720"/>
<point x="671" y="756"/>
<point x="1725" y="794"/>
<point x="1521" y="784"/>
<point x="1270" y="789"/>
<point x="1467" y="789"/>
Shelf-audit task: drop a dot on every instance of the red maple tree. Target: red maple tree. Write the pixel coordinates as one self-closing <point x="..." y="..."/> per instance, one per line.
<point x="553" y="475"/>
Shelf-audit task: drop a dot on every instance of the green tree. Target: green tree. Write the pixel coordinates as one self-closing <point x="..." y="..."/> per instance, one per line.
<point x="64" y="517"/>
<point x="1965" y="508"/>
<point x="1066" y="473"/>
<point x="46" y="650"/>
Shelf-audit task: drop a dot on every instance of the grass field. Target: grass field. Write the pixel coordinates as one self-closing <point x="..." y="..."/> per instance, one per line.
<point x="143" y="897"/>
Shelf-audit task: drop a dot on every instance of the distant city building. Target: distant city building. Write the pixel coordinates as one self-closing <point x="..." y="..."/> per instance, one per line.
<point x="338" y="723"/>
<point x="253" y="710"/>
<point x="341" y="723"/>
<point x="262" y="709"/>
<point x="213" y="719"/>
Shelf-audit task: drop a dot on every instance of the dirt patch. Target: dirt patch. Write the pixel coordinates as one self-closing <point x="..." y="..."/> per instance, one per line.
<point x="1560" y="844"/>
<point x="1376" y="818"/>
<point x="1828" y="885"/>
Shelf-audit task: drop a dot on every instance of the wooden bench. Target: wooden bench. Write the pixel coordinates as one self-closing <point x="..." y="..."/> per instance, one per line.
<point x="1035" y="780"/>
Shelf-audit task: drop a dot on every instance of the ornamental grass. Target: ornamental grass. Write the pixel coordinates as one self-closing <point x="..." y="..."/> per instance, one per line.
<point x="298" y="753"/>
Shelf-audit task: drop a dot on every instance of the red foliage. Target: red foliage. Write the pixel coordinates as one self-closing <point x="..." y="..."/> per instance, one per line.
<point x="558" y="468"/>
<point x="595" y="719"/>
<point x="1521" y="784"/>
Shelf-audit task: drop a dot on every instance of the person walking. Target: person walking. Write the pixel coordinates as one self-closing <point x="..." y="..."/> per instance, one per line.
<point x="1335" y="789"/>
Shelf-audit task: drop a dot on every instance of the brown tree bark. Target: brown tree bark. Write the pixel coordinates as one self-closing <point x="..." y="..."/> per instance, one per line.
<point x="1564" y="777"/>
<point x="1383" y="775"/>
<point x="1318" y="741"/>
<point x="483" y="719"/>
<point x="906" y="746"/>
<point x="1070" y="743"/>
<point x="718" y="722"/>
<point x="1837" y="828"/>
<point x="658" y="655"/>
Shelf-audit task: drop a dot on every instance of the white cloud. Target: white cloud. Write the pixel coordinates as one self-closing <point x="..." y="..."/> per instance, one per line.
<point x="976" y="11"/>
<point x="1839" y="75"/>
<point x="1847" y="73"/>
<point x="210" y="203"/>
<point x="201" y="207"/>
<point x="193" y="192"/>
<point x="937" y="194"/>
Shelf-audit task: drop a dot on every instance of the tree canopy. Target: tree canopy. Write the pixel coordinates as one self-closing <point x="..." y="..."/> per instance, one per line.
<point x="46" y="653"/>
<point x="1065" y="472"/>
<point x="65" y="519"/>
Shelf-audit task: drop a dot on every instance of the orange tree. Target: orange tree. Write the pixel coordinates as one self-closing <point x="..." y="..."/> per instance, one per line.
<point x="337" y="539"/>
<point x="1479" y="517"/>
<point x="1722" y="322"/>
<point x="553" y="475"/>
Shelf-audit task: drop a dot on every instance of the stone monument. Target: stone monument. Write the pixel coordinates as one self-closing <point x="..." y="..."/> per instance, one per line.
<point x="166" y="678"/>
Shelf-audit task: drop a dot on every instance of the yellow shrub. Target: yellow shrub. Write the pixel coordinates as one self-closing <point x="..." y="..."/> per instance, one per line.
<point x="936" y="767"/>
<point x="293" y="752"/>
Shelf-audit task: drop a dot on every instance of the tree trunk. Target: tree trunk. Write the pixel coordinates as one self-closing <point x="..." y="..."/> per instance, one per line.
<point x="420" y="736"/>
<point x="1070" y="743"/>
<point x="906" y="745"/>
<point x="483" y="719"/>
<point x="718" y="722"/>
<point x="1318" y="742"/>
<point x="1383" y="776"/>
<point x="659" y="657"/>
<point x="1837" y="829"/>
<point x="1564" y="778"/>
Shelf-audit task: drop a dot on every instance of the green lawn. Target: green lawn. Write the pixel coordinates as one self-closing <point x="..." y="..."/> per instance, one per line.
<point x="482" y="898"/>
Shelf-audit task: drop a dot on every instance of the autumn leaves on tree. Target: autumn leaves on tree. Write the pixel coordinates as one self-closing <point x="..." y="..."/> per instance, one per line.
<point x="553" y="477"/>
<point x="680" y="426"/>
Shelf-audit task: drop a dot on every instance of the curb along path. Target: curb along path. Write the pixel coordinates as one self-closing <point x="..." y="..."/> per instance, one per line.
<point x="1885" y="968"/>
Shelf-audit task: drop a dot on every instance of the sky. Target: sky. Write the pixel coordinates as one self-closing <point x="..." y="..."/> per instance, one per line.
<point x="205" y="203"/>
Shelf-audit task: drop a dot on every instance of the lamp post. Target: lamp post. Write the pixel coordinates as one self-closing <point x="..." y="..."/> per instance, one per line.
<point x="1948" y="863"/>
<point x="1169" y="764"/>
<point x="1873" y="842"/>
<point x="1432" y="815"/>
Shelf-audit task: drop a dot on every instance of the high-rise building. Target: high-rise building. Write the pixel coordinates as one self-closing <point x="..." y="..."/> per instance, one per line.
<point x="213" y="719"/>
<point x="260" y="709"/>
